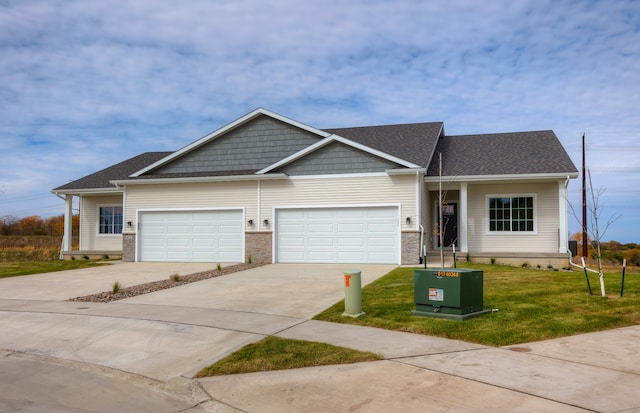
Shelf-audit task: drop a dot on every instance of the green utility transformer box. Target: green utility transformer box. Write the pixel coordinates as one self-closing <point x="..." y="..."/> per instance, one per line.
<point x="451" y="293"/>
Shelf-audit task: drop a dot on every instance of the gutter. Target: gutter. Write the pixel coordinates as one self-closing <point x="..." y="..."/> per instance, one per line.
<point x="196" y="179"/>
<point x="511" y="177"/>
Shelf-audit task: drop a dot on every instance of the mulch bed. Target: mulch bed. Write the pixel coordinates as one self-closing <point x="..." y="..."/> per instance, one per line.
<point x="127" y="292"/>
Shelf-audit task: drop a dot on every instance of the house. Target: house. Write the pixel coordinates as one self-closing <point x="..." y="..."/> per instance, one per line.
<point x="271" y="189"/>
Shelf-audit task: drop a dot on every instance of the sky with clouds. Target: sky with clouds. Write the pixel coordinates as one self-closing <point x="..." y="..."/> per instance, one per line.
<point x="86" y="84"/>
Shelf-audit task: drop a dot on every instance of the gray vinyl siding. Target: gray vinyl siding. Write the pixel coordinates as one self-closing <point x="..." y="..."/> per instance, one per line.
<point x="337" y="158"/>
<point x="252" y="146"/>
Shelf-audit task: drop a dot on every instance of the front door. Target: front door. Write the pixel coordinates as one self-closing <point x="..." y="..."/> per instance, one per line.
<point x="449" y="224"/>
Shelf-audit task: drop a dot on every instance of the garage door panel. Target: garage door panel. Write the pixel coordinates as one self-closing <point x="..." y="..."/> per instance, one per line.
<point x="292" y="242"/>
<point x="349" y="235"/>
<point x="380" y="227"/>
<point x="184" y="236"/>
<point x="320" y="228"/>
<point x="351" y="256"/>
<point x="291" y="228"/>
<point x="380" y="242"/>
<point x="320" y="242"/>
<point x="351" y="242"/>
<point x="383" y="213"/>
<point x="318" y="214"/>
<point x="356" y="227"/>
<point x="350" y="213"/>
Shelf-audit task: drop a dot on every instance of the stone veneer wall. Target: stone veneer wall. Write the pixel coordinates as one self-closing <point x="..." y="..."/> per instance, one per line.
<point x="410" y="247"/>
<point x="258" y="246"/>
<point x="128" y="247"/>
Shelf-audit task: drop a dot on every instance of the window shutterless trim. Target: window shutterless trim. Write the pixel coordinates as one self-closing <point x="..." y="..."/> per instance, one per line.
<point x="510" y="219"/>
<point x="113" y="225"/>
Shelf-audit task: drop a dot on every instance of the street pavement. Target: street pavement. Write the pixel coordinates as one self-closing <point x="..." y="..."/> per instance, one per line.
<point x="140" y="354"/>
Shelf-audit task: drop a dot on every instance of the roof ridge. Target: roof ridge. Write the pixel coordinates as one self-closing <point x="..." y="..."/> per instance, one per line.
<point x="386" y="125"/>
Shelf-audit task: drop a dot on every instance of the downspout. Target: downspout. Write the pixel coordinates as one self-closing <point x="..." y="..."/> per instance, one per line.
<point x="419" y="188"/>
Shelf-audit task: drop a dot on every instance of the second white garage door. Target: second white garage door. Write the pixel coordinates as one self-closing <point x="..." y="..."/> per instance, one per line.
<point x="191" y="236"/>
<point x="338" y="235"/>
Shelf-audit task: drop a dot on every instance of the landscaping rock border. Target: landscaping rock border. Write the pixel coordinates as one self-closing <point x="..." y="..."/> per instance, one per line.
<point x="127" y="292"/>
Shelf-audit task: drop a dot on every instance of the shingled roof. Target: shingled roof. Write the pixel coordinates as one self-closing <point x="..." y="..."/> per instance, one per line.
<point x="413" y="142"/>
<point x="534" y="152"/>
<point x="538" y="152"/>
<point x="122" y="170"/>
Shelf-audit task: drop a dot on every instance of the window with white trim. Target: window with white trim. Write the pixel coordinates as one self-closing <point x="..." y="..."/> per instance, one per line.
<point x="512" y="213"/>
<point x="110" y="220"/>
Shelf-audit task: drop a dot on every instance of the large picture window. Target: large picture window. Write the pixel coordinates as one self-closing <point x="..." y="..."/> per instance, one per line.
<point x="110" y="220"/>
<point x="511" y="214"/>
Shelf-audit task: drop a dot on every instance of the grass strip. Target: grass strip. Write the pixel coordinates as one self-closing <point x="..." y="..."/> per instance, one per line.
<point x="274" y="353"/>
<point x="19" y="268"/>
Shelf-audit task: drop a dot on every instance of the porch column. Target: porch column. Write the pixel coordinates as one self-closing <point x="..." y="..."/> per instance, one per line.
<point x="68" y="217"/>
<point x="462" y="219"/>
<point x="563" y="226"/>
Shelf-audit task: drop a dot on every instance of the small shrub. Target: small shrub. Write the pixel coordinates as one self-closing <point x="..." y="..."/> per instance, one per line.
<point x="73" y="258"/>
<point x="85" y="257"/>
<point x="116" y="287"/>
<point x="249" y="259"/>
<point x="525" y="265"/>
<point x="105" y="257"/>
<point x="219" y="267"/>
<point x="175" y="277"/>
<point x="468" y="257"/>
<point x="539" y="266"/>
<point x="493" y="261"/>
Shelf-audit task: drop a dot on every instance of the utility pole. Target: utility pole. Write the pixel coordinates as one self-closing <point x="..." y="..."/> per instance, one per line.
<point x="585" y="243"/>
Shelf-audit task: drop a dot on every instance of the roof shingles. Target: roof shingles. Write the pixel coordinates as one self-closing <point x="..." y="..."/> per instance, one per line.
<point x="122" y="170"/>
<point x="412" y="142"/>
<point x="534" y="152"/>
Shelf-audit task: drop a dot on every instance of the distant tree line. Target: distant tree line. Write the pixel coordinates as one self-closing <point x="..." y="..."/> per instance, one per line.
<point x="613" y="251"/>
<point x="36" y="225"/>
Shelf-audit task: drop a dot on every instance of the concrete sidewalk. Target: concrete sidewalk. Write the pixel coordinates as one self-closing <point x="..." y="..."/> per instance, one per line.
<point x="157" y="342"/>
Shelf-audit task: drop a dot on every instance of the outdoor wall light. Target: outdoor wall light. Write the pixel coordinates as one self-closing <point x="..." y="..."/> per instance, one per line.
<point x="408" y="220"/>
<point x="250" y="222"/>
<point x="129" y="223"/>
<point x="266" y="222"/>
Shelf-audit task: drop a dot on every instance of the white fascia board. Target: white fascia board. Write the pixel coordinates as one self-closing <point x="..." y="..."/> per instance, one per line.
<point x="238" y="122"/>
<point x="336" y="138"/>
<point x="225" y="178"/>
<point x="92" y="191"/>
<point x="296" y="155"/>
<point x="506" y="177"/>
<point x="406" y="171"/>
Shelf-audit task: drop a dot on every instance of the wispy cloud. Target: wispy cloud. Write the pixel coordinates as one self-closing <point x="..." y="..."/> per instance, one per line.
<point x="85" y="84"/>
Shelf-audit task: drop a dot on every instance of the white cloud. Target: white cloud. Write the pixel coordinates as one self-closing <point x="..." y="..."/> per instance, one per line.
<point x="95" y="82"/>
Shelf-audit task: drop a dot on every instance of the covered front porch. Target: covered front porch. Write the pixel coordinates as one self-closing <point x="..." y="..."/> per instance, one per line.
<point x="467" y="222"/>
<point x="102" y="240"/>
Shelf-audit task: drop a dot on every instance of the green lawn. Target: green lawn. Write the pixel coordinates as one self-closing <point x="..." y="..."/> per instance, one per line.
<point x="532" y="305"/>
<point x="17" y="268"/>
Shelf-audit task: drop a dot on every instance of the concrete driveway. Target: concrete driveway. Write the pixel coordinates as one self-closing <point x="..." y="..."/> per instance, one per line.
<point x="139" y="354"/>
<point x="163" y="336"/>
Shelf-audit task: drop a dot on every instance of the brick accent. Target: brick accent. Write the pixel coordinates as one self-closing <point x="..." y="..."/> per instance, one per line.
<point x="410" y="247"/>
<point x="128" y="247"/>
<point x="258" y="246"/>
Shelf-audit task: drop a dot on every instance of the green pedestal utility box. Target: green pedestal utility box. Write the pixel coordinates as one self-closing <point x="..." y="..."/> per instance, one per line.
<point x="452" y="293"/>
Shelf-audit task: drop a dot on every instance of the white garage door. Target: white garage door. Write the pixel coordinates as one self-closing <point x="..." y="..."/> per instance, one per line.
<point x="191" y="236"/>
<point x="338" y="235"/>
